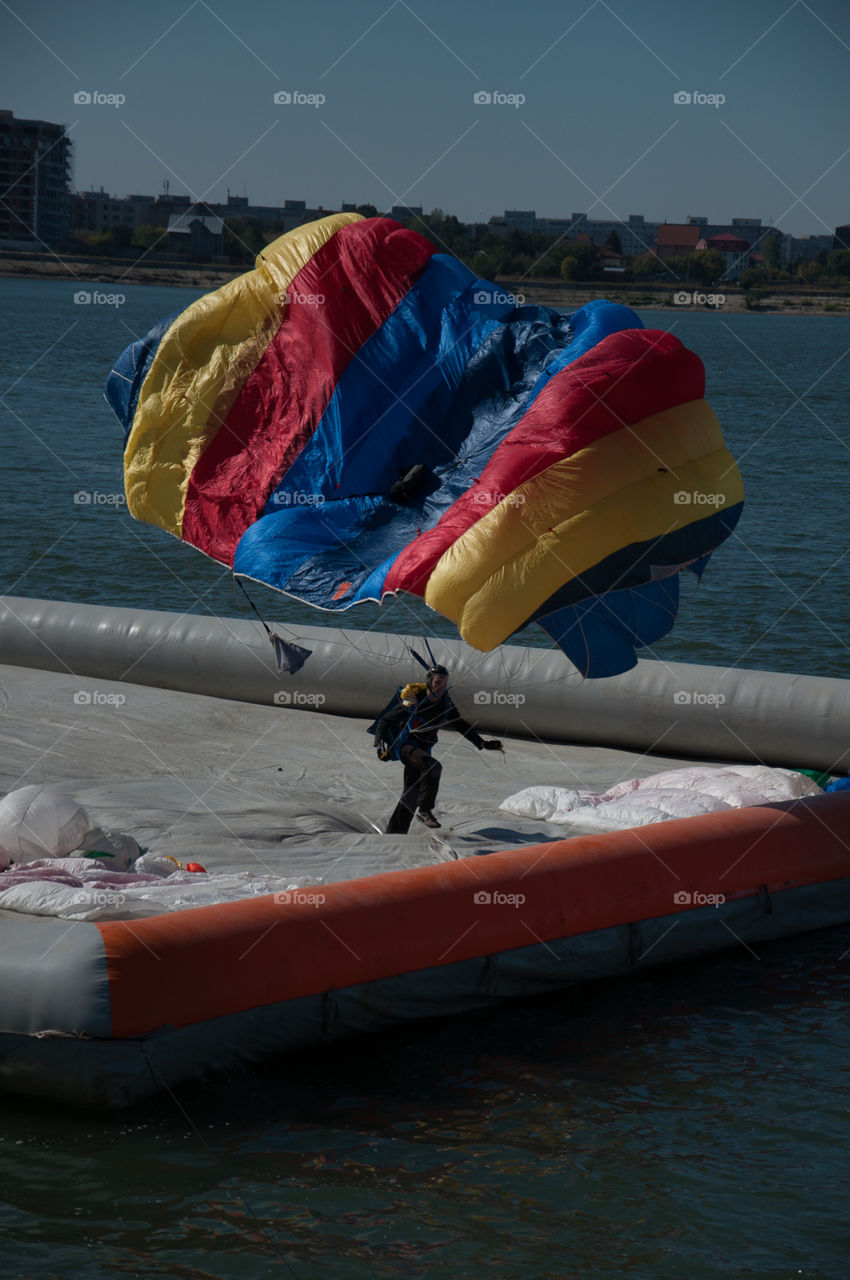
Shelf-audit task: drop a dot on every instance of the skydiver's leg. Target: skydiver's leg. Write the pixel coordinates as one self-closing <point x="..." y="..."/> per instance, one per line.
<point x="399" y="823"/>
<point x="430" y="783"/>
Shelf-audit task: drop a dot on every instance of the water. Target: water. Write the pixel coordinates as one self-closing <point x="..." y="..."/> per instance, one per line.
<point x="686" y="1123"/>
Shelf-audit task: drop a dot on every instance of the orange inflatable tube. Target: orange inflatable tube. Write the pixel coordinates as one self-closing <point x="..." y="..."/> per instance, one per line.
<point x="186" y="967"/>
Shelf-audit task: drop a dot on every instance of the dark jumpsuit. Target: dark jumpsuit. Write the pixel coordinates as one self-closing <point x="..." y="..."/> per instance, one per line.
<point x="421" y="771"/>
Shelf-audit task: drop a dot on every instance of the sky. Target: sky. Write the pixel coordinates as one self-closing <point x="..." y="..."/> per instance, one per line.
<point x="388" y="103"/>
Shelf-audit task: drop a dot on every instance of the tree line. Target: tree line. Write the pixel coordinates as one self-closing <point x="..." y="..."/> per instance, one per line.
<point x="518" y="255"/>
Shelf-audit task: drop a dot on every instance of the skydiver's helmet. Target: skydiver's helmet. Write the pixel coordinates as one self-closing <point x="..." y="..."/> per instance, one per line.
<point x="436" y="671"/>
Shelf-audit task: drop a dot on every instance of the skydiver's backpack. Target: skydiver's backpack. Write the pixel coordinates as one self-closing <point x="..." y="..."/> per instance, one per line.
<point x="396" y="719"/>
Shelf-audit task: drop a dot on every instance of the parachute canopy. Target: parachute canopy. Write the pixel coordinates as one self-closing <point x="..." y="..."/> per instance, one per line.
<point x="360" y="415"/>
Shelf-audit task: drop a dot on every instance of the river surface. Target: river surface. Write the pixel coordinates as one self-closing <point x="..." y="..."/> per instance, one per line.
<point x="688" y="1124"/>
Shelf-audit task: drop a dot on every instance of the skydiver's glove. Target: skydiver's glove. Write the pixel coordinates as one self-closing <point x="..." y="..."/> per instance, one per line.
<point x="491" y="744"/>
<point x="383" y="750"/>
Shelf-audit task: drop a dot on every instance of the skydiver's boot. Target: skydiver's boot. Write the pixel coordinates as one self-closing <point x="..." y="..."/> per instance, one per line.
<point x="427" y="818"/>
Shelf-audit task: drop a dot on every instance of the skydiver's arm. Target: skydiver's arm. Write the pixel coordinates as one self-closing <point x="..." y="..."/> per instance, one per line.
<point x="391" y="725"/>
<point x="455" y="720"/>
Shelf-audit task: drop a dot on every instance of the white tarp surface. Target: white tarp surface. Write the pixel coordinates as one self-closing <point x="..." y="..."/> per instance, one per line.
<point x="673" y="793"/>
<point x="268" y="798"/>
<point x="82" y="889"/>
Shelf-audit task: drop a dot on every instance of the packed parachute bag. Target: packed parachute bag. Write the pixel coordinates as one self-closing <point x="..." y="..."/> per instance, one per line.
<point x="41" y="821"/>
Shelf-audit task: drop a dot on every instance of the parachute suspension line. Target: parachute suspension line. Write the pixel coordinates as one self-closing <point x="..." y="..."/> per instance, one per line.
<point x="288" y="656"/>
<point x="433" y="661"/>
<point x="368" y="655"/>
<point x="460" y="461"/>
<point x="419" y="657"/>
<point x="266" y="626"/>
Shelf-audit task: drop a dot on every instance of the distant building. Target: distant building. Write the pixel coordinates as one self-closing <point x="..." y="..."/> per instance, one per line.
<point x="750" y="229"/>
<point x="99" y="212"/>
<point x="198" y="235"/>
<point x="747" y="224"/>
<point x="156" y="213"/>
<point x="521" y="220"/>
<point x="841" y="239"/>
<point x="807" y="248"/>
<point x="405" y="212"/>
<point x="677" y="239"/>
<point x="497" y="227"/>
<point x="35" y="181"/>
<point x="735" y="251"/>
<point x="283" y="217"/>
<point x="636" y="235"/>
<point x="568" y="228"/>
<point x="610" y="260"/>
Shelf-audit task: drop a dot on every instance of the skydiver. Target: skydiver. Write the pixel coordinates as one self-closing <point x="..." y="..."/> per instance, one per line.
<point x="407" y="731"/>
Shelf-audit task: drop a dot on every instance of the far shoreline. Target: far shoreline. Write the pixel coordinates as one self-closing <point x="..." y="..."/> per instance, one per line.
<point x="551" y="293"/>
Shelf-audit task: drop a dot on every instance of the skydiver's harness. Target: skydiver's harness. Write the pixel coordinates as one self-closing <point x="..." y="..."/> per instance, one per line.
<point x="408" y="724"/>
